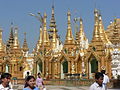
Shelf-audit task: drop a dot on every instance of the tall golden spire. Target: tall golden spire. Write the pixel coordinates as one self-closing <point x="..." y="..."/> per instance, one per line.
<point x="96" y="29"/>
<point x="83" y="41"/>
<point x="2" y="47"/>
<point x="69" y="36"/>
<point x="101" y="28"/>
<point x="52" y="24"/>
<point x="40" y="39"/>
<point x="103" y="35"/>
<point x="16" y="42"/>
<point x="52" y="21"/>
<point x="11" y="37"/>
<point x="81" y="32"/>
<point x="25" y="45"/>
<point x="45" y="39"/>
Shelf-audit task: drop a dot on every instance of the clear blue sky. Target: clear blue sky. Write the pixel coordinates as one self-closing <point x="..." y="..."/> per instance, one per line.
<point x="16" y="11"/>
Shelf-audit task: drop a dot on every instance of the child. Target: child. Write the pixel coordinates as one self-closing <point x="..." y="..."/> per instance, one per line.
<point x="39" y="82"/>
<point x="30" y="84"/>
<point x="98" y="84"/>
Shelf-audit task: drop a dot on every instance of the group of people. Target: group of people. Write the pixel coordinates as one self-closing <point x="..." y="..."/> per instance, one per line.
<point x="101" y="80"/>
<point x="30" y="82"/>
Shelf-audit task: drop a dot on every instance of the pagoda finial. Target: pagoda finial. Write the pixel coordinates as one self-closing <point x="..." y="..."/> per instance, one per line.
<point x="52" y="9"/>
<point x="69" y="21"/>
<point x="81" y="32"/>
<point x="16" y="42"/>
<point x="39" y="43"/>
<point x="115" y="21"/>
<point x="45" y="39"/>
<point x="1" y="41"/>
<point x="1" y="34"/>
<point x="25" y="45"/>
<point x="53" y="3"/>
<point x="81" y="26"/>
<point x="44" y="21"/>
<point x="83" y="41"/>
<point x="102" y="31"/>
<point x="96" y="28"/>
<point x="69" y="36"/>
<point x="40" y="36"/>
<point x="11" y="37"/>
<point x="101" y="27"/>
<point x="52" y="24"/>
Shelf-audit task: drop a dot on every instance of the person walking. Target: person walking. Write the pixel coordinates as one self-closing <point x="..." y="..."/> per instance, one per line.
<point x="39" y="82"/>
<point x="30" y="83"/>
<point x="105" y="79"/>
<point x="27" y="75"/>
<point x="98" y="84"/>
<point x="5" y="82"/>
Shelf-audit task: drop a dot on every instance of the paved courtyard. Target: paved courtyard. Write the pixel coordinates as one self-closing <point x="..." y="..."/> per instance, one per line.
<point x="50" y="87"/>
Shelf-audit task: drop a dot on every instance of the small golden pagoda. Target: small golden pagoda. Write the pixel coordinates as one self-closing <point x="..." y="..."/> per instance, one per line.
<point x="12" y="55"/>
<point x="97" y="58"/>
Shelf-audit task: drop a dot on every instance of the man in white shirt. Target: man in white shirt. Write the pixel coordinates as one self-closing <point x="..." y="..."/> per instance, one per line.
<point x="98" y="84"/>
<point x="5" y="79"/>
<point x="105" y="79"/>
